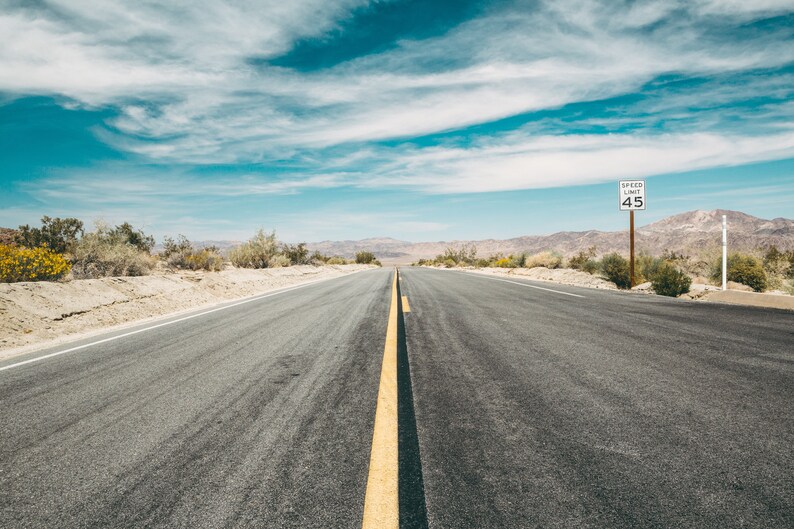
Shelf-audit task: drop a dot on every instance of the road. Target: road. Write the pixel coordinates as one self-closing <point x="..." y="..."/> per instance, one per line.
<point x="521" y="404"/>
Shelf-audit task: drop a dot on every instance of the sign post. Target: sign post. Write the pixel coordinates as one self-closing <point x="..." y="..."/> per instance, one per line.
<point x="725" y="252"/>
<point x="631" y="197"/>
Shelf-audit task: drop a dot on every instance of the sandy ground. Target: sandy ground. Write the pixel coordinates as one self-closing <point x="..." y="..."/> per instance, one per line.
<point x="736" y="293"/>
<point x="563" y="276"/>
<point x="34" y="315"/>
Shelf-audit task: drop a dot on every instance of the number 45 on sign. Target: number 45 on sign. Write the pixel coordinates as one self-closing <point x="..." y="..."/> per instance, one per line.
<point x="631" y="195"/>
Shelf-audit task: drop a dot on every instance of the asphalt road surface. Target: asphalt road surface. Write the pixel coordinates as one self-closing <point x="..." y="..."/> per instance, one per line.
<point x="521" y="404"/>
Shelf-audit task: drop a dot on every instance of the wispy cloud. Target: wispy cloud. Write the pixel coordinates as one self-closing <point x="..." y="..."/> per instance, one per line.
<point x="708" y="84"/>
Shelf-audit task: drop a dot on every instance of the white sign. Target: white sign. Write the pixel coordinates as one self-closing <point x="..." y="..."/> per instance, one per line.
<point x="631" y="195"/>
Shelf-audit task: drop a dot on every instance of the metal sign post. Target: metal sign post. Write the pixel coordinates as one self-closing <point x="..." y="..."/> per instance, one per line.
<point x="631" y="197"/>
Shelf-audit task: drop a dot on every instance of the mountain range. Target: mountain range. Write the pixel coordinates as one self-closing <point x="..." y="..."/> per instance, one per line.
<point x="688" y="233"/>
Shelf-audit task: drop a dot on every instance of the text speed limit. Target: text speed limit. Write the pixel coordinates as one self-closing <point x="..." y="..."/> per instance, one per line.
<point x="631" y="195"/>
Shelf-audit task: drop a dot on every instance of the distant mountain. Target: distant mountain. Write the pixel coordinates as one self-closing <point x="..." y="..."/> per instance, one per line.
<point x="688" y="233"/>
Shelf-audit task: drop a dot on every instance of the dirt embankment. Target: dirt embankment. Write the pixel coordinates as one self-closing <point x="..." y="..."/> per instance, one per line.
<point x="736" y="293"/>
<point x="34" y="314"/>
<point x="563" y="276"/>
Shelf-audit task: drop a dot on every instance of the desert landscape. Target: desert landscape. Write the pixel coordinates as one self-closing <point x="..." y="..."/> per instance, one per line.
<point x="119" y="276"/>
<point x="689" y="233"/>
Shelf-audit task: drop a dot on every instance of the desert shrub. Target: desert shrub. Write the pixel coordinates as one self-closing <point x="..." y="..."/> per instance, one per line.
<point x="590" y="266"/>
<point x="204" y="259"/>
<point x="318" y="258"/>
<point x="584" y="261"/>
<point x="646" y="266"/>
<point x="778" y="267"/>
<point x="102" y="253"/>
<point x="482" y="263"/>
<point x="31" y="264"/>
<point x="518" y="260"/>
<point x="278" y="261"/>
<point x="449" y="263"/>
<point x="615" y="268"/>
<point x="297" y="254"/>
<point x="667" y="280"/>
<point x="364" y="257"/>
<point x="59" y="235"/>
<point x="744" y="269"/>
<point x="336" y="260"/>
<point x="465" y="255"/>
<point x="126" y="234"/>
<point x="544" y="259"/>
<point x="181" y="254"/>
<point x="504" y="262"/>
<point x="257" y="252"/>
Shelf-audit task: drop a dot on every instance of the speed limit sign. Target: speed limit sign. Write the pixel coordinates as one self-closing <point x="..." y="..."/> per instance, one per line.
<point x="631" y="195"/>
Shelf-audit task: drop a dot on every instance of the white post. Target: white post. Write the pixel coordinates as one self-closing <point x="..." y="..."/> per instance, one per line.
<point x="724" y="252"/>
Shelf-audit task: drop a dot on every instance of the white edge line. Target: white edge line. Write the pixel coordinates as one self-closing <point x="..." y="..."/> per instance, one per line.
<point x="522" y="284"/>
<point x="105" y="340"/>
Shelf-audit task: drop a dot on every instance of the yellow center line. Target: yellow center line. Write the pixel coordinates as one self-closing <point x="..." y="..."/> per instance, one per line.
<point x="381" y="502"/>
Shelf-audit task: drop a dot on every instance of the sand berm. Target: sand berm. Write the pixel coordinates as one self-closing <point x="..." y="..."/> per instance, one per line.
<point x="34" y="315"/>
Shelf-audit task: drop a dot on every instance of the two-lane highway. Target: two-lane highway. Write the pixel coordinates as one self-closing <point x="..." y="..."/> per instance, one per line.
<point x="521" y="404"/>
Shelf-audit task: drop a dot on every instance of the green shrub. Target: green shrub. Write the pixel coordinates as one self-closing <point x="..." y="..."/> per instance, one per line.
<point x="126" y="234"/>
<point x="297" y="254"/>
<point x="257" y="252"/>
<point x="518" y="261"/>
<point x="645" y="266"/>
<point x="590" y="266"/>
<point x="364" y="257"/>
<point x="744" y="269"/>
<point x="543" y="259"/>
<point x="336" y="260"/>
<point x="59" y="235"/>
<point x="778" y="267"/>
<point x="584" y="260"/>
<point x="667" y="280"/>
<point x="615" y="268"/>
<point x="31" y="264"/>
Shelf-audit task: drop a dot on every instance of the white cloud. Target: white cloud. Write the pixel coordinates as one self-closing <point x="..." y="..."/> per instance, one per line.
<point x="188" y="92"/>
<point x="551" y="161"/>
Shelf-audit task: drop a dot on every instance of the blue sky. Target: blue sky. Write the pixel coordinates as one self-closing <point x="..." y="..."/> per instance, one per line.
<point x="419" y="120"/>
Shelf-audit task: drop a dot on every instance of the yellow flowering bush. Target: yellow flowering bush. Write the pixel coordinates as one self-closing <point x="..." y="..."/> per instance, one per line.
<point x="26" y="264"/>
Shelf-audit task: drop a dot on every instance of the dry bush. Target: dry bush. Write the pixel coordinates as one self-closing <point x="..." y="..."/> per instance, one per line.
<point x="278" y="261"/>
<point x="336" y="260"/>
<point x="257" y="252"/>
<point x="181" y="254"/>
<point x="97" y="254"/>
<point x="543" y="259"/>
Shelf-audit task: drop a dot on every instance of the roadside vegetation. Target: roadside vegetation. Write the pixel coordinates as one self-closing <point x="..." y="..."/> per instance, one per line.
<point x="670" y="274"/>
<point x="62" y="249"/>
